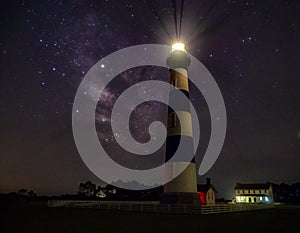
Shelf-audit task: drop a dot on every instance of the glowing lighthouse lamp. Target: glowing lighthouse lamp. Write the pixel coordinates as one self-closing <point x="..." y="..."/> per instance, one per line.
<point x="178" y="46"/>
<point x="178" y="57"/>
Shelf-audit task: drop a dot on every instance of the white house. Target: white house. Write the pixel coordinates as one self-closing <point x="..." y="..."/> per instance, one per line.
<point x="254" y="193"/>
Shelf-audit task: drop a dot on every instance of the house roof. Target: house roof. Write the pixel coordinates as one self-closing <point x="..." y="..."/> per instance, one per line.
<point x="253" y="186"/>
<point x="205" y="187"/>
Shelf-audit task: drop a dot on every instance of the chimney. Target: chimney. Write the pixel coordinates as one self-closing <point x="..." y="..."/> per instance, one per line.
<point x="208" y="181"/>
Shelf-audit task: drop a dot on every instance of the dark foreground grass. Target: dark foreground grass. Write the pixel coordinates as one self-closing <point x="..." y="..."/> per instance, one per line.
<point x="40" y="219"/>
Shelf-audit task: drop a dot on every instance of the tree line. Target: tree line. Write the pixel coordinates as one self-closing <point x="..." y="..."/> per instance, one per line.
<point x="284" y="193"/>
<point x="88" y="190"/>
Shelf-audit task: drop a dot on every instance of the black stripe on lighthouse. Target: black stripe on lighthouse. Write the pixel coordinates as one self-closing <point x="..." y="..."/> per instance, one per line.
<point x="175" y="133"/>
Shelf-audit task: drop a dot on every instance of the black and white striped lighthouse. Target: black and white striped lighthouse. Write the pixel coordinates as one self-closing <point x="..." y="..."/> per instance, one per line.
<point x="182" y="189"/>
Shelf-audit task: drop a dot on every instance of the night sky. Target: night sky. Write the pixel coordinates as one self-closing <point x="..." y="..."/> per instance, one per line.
<point x="46" y="48"/>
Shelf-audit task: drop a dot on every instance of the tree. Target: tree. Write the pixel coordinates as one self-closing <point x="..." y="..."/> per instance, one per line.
<point x="31" y="194"/>
<point x="100" y="192"/>
<point x="22" y="192"/>
<point x="109" y="190"/>
<point x="87" y="189"/>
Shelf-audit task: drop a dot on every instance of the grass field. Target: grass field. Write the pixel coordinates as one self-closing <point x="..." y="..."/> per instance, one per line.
<point x="40" y="219"/>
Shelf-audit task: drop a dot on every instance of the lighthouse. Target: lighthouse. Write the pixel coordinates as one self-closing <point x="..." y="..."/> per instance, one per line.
<point x="183" y="188"/>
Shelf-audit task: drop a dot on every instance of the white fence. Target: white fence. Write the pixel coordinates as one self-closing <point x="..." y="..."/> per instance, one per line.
<point x="157" y="207"/>
<point x="212" y="209"/>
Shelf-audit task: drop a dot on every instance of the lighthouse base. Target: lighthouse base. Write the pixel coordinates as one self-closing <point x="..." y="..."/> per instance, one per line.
<point x="180" y="198"/>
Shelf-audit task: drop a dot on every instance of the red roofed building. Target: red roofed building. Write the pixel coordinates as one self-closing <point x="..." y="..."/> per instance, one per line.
<point x="206" y="192"/>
